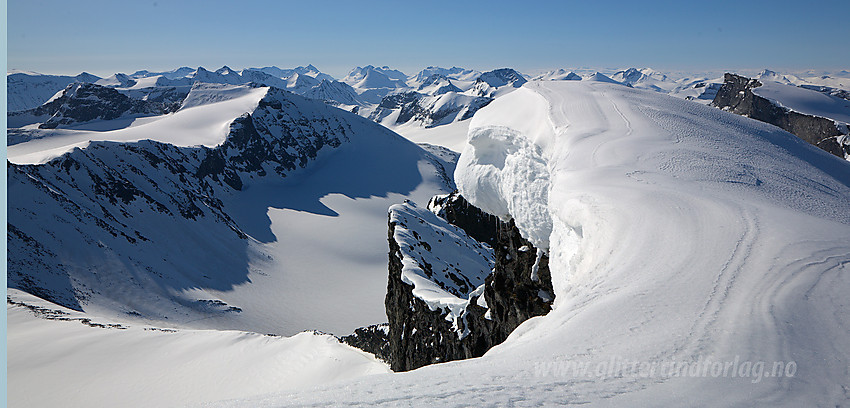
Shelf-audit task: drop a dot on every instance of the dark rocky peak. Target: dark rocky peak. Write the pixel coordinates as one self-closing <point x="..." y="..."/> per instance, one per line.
<point x="85" y="102"/>
<point x="285" y="132"/>
<point x="736" y="96"/>
<point x="398" y="100"/>
<point x="457" y="211"/>
<point x="630" y="76"/>
<point x="501" y="77"/>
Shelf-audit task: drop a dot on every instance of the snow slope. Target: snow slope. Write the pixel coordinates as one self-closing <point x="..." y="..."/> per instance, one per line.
<point x="279" y="227"/>
<point x="190" y="126"/>
<point x="680" y="237"/>
<point x="806" y="101"/>
<point x="142" y="366"/>
<point x="27" y="90"/>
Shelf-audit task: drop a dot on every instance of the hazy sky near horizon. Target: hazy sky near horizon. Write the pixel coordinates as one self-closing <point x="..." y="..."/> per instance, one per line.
<point x="107" y="36"/>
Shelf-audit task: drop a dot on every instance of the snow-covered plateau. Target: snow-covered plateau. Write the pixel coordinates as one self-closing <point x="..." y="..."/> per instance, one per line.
<point x="211" y="243"/>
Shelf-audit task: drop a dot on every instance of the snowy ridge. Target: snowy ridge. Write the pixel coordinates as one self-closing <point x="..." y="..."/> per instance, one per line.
<point x="679" y="233"/>
<point x="203" y="120"/>
<point x="253" y="208"/>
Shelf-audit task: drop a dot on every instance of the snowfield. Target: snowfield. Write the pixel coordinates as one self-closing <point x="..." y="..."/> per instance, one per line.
<point x="699" y="258"/>
<point x="146" y="366"/>
<point x="203" y="120"/>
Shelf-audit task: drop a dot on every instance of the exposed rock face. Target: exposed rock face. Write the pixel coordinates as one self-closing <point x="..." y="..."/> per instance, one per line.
<point x="459" y="212"/>
<point x="521" y="285"/>
<point x="85" y="102"/>
<point x="371" y="339"/>
<point x="736" y="96"/>
<point x="489" y="83"/>
<point x="82" y="102"/>
<point x="429" y="110"/>
<point x="462" y="323"/>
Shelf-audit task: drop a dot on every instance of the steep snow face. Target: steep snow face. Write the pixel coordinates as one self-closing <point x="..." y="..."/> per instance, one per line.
<point x="300" y="83"/>
<point x="500" y="159"/>
<point x="682" y="237"/>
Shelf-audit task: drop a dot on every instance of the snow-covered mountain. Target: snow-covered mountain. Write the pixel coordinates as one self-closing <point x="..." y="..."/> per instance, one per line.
<point x="456" y="73"/>
<point x="497" y="82"/>
<point x="334" y="92"/>
<point x="157" y="223"/>
<point x="309" y="70"/>
<point x="371" y="77"/>
<point x="427" y="110"/>
<point x="217" y="215"/>
<point x="558" y="75"/>
<point x="29" y="90"/>
<point x="680" y="237"/>
<point x="437" y="84"/>
<point x="820" y="118"/>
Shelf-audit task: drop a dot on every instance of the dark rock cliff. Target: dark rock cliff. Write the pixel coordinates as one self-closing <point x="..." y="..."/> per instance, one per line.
<point x="371" y="339"/>
<point x="736" y="96"/>
<point x="519" y="287"/>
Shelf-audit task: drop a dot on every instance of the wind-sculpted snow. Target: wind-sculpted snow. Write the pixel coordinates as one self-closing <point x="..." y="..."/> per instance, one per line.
<point x="692" y="252"/>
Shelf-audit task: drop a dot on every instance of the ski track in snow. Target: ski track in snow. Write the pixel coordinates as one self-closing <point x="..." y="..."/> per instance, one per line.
<point x="679" y="233"/>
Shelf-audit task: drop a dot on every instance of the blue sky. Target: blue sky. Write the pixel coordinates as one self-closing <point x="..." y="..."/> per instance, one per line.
<point x="104" y="37"/>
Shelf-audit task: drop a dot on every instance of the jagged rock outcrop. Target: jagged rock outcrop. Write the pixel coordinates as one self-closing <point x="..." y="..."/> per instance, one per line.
<point x="435" y="314"/>
<point x="429" y="110"/>
<point x="371" y="339"/>
<point x="457" y="211"/>
<point x="490" y="83"/>
<point x="85" y="102"/>
<point x="736" y="96"/>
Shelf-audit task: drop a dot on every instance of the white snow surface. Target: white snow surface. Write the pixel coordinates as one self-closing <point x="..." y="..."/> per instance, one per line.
<point x="203" y="120"/>
<point x="805" y="100"/>
<point x="143" y="366"/>
<point x="679" y="234"/>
